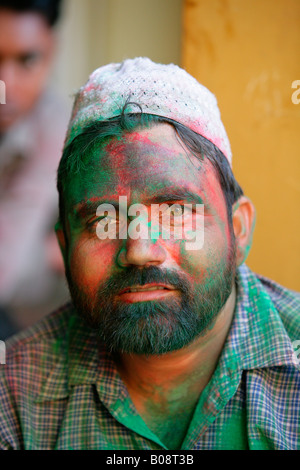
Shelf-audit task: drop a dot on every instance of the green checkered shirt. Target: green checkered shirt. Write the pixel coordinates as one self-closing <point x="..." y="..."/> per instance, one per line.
<point x="60" y="389"/>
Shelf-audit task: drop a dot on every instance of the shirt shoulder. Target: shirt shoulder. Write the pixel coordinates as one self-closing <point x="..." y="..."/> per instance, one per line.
<point x="287" y="304"/>
<point x="46" y="329"/>
<point x="32" y="357"/>
<point x="33" y="353"/>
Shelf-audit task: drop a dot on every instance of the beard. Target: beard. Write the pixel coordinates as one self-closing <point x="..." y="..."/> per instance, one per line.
<point x="158" y="326"/>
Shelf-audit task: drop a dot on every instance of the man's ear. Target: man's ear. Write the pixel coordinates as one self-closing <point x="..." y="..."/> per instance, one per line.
<point x="61" y="238"/>
<point x="243" y="219"/>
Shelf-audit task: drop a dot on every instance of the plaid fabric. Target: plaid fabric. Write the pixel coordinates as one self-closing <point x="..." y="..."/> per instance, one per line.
<point x="60" y="389"/>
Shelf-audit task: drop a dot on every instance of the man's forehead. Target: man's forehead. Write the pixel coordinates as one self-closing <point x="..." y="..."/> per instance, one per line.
<point x="136" y="165"/>
<point x="144" y="189"/>
<point x="156" y="148"/>
<point x="146" y="192"/>
<point x="142" y="165"/>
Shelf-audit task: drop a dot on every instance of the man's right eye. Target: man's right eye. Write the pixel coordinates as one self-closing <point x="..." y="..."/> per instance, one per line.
<point x="106" y="220"/>
<point x="29" y="60"/>
<point x="102" y="220"/>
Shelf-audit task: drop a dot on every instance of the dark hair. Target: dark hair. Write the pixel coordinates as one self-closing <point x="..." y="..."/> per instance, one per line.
<point x="75" y="155"/>
<point x="50" y="9"/>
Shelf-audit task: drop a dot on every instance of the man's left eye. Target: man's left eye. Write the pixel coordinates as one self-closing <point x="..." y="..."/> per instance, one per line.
<point x="30" y="59"/>
<point x="179" y="210"/>
<point x="176" y="211"/>
<point x="103" y="220"/>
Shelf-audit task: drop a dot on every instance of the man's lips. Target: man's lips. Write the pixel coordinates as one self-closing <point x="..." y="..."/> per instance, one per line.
<point x="147" y="287"/>
<point x="151" y="291"/>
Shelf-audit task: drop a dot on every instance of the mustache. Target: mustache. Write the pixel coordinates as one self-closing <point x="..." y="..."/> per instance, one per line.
<point x="137" y="276"/>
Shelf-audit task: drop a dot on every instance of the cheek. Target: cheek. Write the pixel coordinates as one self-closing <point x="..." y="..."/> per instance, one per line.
<point x="34" y="81"/>
<point x="90" y="264"/>
<point x="201" y="264"/>
<point x="173" y="248"/>
<point x="31" y="82"/>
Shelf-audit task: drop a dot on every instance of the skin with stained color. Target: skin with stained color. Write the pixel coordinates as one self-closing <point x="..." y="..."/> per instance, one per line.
<point x="143" y="164"/>
<point x="26" y="54"/>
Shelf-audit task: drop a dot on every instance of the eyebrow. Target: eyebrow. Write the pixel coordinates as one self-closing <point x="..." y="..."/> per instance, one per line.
<point x="88" y="207"/>
<point x="178" y="194"/>
<point x="85" y="208"/>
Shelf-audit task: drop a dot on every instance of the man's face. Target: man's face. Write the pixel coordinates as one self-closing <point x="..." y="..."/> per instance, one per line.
<point x="190" y="286"/>
<point x="26" y="50"/>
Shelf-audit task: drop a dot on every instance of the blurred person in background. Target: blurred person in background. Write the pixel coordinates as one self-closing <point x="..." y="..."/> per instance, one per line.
<point x="32" y="127"/>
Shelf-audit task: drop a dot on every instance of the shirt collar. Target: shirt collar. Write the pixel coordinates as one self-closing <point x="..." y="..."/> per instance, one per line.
<point x="257" y="337"/>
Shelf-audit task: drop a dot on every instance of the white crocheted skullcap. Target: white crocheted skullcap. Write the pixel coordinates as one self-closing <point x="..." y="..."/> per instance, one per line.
<point x="162" y="90"/>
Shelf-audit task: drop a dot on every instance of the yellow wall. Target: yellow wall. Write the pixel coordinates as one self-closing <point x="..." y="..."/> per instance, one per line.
<point x="248" y="53"/>
<point x="95" y="32"/>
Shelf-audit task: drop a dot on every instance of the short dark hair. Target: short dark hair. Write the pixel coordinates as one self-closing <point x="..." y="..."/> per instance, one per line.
<point x="49" y="9"/>
<point x="74" y="158"/>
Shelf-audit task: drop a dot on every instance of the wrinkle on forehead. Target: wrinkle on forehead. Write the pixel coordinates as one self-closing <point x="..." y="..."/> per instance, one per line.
<point x="144" y="155"/>
<point x="141" y="162"/>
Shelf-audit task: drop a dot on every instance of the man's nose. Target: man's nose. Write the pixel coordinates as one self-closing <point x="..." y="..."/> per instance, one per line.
<point x="141" y="253"/>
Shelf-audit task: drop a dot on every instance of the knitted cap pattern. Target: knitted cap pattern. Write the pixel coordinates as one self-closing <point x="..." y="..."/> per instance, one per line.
<point x="162" y="90"/>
